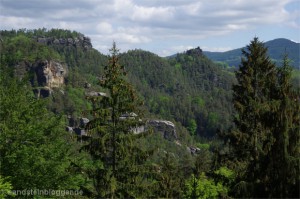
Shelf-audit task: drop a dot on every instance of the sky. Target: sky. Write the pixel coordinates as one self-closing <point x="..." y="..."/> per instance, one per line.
<point x="164" y="27"/>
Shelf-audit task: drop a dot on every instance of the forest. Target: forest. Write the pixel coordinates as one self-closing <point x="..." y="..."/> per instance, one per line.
<point x="81" y="124"/>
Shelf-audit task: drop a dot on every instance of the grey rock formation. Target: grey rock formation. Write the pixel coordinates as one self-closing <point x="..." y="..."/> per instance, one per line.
<point x="138" y="129"/>
<point x="80" y="132"/>
<point x="94" y="93"/>
<point x="50" y="74"/>
<point x="80" y="41"/>
<point x="87" y="85"/>
<point x="56" y="41"/>
<point x="166" y="128"/>
<point x="193" y="150"/>
<point x="197" y="51"/>
<point x="128" y="116"/>
<point x="84" y="121"/>
<point x="69" y="129"/>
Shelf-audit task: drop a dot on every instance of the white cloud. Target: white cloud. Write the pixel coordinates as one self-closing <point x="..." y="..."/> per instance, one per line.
<point x="151" y="13"/>
<point x="216" y="49"/>
<point x="134" y="23"/>
<point x="104" y="28"/>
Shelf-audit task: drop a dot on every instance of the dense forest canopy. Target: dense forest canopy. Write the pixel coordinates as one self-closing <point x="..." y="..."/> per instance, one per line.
<point x="188" y="88"/>
<point x="139" y="125"/>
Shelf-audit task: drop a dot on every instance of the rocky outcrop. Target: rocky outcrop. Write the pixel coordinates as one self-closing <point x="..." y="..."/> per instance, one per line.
<point x="166" y="128"/>
<point x="77" y="127"/>
<point x="197" y="51"/>
<point x="80" y="41"/>
<point x="193" y="150"/>
<point x="83" y="122"/>
<point x="50" y="74"/>
<point x="94" y="93"/>
<point x="45" y="75"/>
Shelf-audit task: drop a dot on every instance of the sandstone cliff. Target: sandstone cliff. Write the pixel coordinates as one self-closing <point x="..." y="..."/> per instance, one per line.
<point x="48" y="75"/>
<point x="80" y="41"/>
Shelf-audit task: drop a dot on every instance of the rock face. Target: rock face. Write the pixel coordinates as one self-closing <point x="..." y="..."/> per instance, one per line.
<point x="94" y="93"/>
<point x="197" y="51"/>
<point x="46" y="75"/>
<point x="166" y="128"/>
<point x="193" y="150"/>
<point x="83" y="122"/>
<point x="77" y="127"/>
<point x="80" y="41"/>
<point x="50" y="74"/>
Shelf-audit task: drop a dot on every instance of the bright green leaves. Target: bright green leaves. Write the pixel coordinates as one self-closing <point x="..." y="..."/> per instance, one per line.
<point x="204" y="187"/>
<point x="5" y="188"/>
<point x="35" y="150"/>
<point x="192" y="127"/>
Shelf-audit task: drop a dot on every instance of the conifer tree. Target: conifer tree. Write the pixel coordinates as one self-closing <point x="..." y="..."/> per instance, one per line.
<point x="117" y="159"/>
<point x="266" y="138"/>
<point x="169" y="178"/>
<point x="283" y="165"/>
<point x="252" y="138"/>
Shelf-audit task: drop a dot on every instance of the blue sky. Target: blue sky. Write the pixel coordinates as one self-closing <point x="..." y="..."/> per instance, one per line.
<point x="163" y="27"/>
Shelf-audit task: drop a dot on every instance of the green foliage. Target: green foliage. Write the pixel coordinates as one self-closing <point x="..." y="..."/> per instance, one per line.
<point x="118" y="163"/>
<point x="22" y="48"/>
<point x="212" y="119"/>
<point x="178" y="66"/>
<point x="192" y="126"/>
<point x="199" y="101"/>
<point x="5" y="188"/>
<point x="78" y="103"/>
<point x="203" y="146"/>
<point x="262" y="149"/>
<point x="189" y="93"/>
<point x="295" y="78"/>
<point x="225" y="175"/>
<point x="169" y="179"/>
<point x="266" y="127"/>
<point x="35" y="150"/>
<point x="203" y="187"/>
<point x="283" y="161"/>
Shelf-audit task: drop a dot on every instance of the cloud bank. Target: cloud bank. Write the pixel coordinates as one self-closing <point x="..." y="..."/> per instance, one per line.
<point x="161" y="26"/>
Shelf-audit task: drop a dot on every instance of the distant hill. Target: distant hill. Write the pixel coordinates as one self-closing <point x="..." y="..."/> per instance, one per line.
<point x="188" y="89"/>
<point x="276" y="49"/>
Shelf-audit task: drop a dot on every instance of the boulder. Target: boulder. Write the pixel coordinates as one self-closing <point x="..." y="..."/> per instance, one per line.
<point x="87" y="85"/>
<point x="80" y="132"/>
<point x="193" y="150"/>
<point x="128" y="116"/>
<point x="84" y="121"/>
<point x="62" y="41"/>
<point x="70" y="41"/>
<point x="56" y="41"/>
<point x="69" y="129"/>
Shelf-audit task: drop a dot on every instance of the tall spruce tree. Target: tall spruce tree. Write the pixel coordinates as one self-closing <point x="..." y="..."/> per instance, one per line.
<point x="283" y="164"/>
<point x="265" y="140"/>
<point x="252" y="138"/>
<point x="118" y="162"/>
